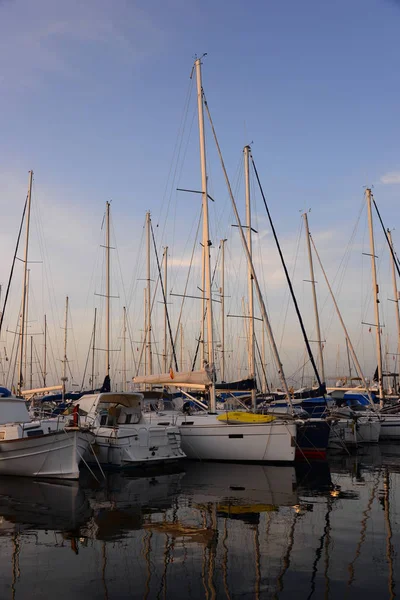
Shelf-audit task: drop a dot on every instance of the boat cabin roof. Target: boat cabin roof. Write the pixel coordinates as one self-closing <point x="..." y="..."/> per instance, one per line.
<point x="13" y="410"/>
<point x="127" y="399"/>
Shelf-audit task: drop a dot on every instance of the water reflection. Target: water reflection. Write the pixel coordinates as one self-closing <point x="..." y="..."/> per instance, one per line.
<point x="211" y="530"/>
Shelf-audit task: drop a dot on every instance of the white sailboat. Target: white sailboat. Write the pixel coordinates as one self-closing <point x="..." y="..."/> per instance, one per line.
<point x="123" y="438"/>
<point x="390" y="423"/>
<point x="351" y="428"/>
<point x="206" y="435"/>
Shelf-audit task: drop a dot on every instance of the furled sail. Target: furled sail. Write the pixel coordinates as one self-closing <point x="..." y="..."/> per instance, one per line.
<point x="191" y="379"/>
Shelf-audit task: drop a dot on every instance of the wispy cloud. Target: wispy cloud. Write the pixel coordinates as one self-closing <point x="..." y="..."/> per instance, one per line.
<point x="391" y="178"/>
<point x="60" y="38"/>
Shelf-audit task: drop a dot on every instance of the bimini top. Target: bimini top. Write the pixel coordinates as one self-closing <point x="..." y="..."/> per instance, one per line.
<point x="88" y="403"/>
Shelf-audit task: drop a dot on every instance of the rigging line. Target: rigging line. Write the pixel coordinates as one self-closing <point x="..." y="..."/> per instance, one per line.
<point x="262" y="364"/>
<point x="293" y="272"/>
<point x="199" y="340"/>
<point x="115" y="247"/>
<point x="310" y="354"/>
<point x="164" y="298"/>
<point x="293" y="375"/>
<point x="175" y="275"/>
<point x="95" y="270"/>
<point x="46" y="265"/>
<point x="134" y="281"/>
<point x="188" y="275"/>
<point x="392" y="252"/>
<point x="178" y="177"/>
<point x="53" y="356"/>
<point x="12" y="266"/>
<point x="151" y="312"/>
<point x="87" y="362"/>
<point x="175" y="158"/>
<point x="70" y="372"/>
<point x="38" y="360"/>
<point x="12" y="361"/>
<point x="131" y="342"/>
<point x="74" y="339"/>
<point x="340" y="272"/>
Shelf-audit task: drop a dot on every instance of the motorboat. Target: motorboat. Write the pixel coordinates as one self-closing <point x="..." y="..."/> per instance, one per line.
<point x="40" y="448"/>
<point x="123" y="437"/>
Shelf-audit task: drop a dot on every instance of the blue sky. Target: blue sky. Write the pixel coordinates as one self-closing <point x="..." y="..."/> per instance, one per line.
<point x="92" y="97"/>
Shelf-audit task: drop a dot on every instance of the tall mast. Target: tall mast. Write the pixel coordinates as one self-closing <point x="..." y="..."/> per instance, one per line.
<point x="350" y="345"/>
<point x="145" y="331"/>
<point x="23" y="303"/>
<point x="252" y="370"/>
<point x="64" y="376"/>
<point x="31" y="366"/>
<point x="203" y="306"/>
<point x="108" y="289"/>
<point x="148" y="301"/>
<point x="314" y="294"/>
<point x="375" y="292"/>
<point x="28" y="276"/>
<point x="206" y="235"/>
<point x="264" y="314"/>
<point x="124" y="354"/>
<point x="45" y="352"/>
<point x="348" y="357"/>
<point x="94" y="346"/>
<point x="396" y="295"/>
<point x="165" y="308"/>
<point x="223" y="309"/>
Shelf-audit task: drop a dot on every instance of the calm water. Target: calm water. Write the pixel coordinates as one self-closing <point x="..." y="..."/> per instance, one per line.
<point x="208" y="531"/>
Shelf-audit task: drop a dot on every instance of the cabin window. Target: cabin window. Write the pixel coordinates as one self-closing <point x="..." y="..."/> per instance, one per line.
<point x="103" y="420"/>
<point x="236" y="435"/>
<point x="128" y="418"/>
<point x="34" y="432"/>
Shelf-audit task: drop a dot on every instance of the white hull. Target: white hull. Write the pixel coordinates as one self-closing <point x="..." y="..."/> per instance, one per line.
<point x="206" y="438"/>
<point x="55" y="454"/>
<point x="135" y="446"/>
<point x="390" y="427"/>
<point x="346" y="432"/>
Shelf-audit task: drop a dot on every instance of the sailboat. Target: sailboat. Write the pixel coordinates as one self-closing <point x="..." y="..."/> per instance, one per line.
<point x="208" y="435"/>
<point x="123" y="437"/>
<point x="43" y="447"/>
<point x="313" y="432"/>
<point x="390" y="423"/>
<point x="349" y="427"/>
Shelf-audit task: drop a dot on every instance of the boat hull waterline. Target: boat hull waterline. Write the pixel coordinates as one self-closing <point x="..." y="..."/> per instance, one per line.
<point x="124" y="449"/>
<point x="312" y="439"/>
<point x="346" y="432"/>
<point x="53" y="455"/>
<point x="205" y="438"/>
